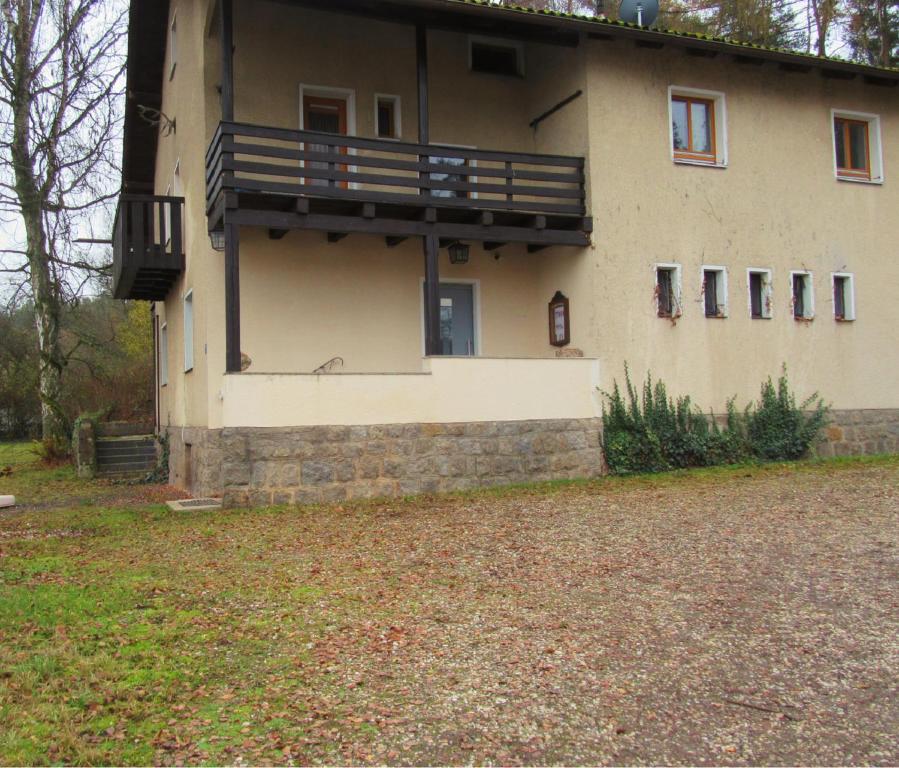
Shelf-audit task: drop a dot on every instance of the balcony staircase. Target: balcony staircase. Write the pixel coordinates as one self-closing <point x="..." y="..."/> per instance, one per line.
<point x="126" y="458"/>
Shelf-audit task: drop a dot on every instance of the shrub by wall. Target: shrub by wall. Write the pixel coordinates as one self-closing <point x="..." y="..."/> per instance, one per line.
<point x="648" y="431"/>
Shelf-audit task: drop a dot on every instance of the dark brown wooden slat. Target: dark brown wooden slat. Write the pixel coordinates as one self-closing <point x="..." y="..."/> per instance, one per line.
<point x="413" y="166"/>
<point x="338" y="193"/>
<point x="268" y="169"/>
<point x="398" y="147"/>
<point x="408" y="228"/>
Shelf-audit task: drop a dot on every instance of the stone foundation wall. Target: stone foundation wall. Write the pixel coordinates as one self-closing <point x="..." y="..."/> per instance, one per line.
<point x="202" y="475"/>
<point x="304" y="465"/>
<point x="861" y="432"/>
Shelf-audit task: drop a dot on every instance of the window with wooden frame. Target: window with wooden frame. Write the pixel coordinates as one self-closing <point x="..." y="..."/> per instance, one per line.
<point x="760" y="295"/>
<point x="857" y="152"/>
<point x="387" y="117"/>
<point x="697" y="126"/>
<point x="803" y="298"/>
<point x="843" y="297"/>
<point x="852" y="147"/>
<point x="668" y="290"/>
<point x="714" y="291"/>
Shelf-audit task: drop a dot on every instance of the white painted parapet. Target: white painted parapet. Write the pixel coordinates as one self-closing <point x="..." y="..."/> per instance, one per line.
<point x="449" y="390"/>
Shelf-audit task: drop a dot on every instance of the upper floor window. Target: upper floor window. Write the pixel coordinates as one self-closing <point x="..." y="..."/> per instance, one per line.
<point x="496" y="57"/>
<point x="856" y="144"/>
<point x="387" y="117"/>
<point x="173" y="46"/>
<point x="697" y="126"/>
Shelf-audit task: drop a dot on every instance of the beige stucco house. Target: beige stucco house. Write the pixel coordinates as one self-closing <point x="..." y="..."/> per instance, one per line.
<point x="403" y="245"/>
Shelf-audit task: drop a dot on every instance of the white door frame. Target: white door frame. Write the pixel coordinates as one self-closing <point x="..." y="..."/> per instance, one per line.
<point x="476" y="310"/>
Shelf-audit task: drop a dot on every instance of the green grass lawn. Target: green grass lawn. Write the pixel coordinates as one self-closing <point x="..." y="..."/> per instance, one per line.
<point x="130" y="634"/>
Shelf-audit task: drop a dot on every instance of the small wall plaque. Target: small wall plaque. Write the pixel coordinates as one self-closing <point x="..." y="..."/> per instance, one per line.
<point x="559" y="320"/>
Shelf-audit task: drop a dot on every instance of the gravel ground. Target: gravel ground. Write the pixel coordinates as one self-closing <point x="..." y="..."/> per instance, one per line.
<point x="744" y="620"/>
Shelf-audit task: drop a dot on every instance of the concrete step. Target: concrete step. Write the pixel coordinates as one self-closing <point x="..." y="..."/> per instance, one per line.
<point x="140" y="453"/>
<point x="133" y="470"/>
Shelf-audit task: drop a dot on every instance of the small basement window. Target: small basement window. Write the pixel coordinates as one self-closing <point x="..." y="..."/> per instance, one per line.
<point x="803" y="296"/>
<point x="714" y="291"/>
<point x="760" y="296"/>
<point x="843" y="297"/>
<point x="668" y="290"/>
<point x="496" y="57"/>
<point x="387" y="117"/>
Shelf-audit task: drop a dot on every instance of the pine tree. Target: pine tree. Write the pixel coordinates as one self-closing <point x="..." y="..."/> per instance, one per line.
<point x="873" y="31"/>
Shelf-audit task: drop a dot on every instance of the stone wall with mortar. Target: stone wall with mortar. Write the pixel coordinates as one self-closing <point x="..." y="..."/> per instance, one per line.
<point x="304" y="465"/>
<point x="860" y="432"/>
<point x="203" y="476"/>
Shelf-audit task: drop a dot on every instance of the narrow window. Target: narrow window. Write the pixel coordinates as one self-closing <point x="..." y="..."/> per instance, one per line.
<point x="667" y="291"/>
<point x="714" y="291"/>
<point x="759" y="294"/>
<point x="167" y="218"/>
<point x="164" y="355"/>
<point x="496" y="57"/>
<point x="693" y="128"/>
<point x="387" y="115"/>
<point x="843" y="297"/>
<point x="803" y="308"/>
<point x="852" y="148"/>
<point x="189" y="332"/>
<point x="173" y="46"/>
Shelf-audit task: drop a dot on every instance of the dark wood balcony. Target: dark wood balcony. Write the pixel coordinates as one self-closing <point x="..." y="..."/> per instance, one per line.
<point x="287" y="179"/>
<point x="147" y="246"/>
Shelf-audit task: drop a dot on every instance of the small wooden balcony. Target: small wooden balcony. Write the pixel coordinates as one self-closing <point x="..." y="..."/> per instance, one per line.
<point x="283" y="179"/>
<point x="147" y="246"/>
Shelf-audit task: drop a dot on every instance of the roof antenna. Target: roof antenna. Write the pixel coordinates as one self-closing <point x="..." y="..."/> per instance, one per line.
<point x="640" y="12"/>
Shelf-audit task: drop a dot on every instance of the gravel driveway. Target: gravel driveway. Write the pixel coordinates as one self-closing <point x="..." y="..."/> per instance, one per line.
<point x="743" y="619"/>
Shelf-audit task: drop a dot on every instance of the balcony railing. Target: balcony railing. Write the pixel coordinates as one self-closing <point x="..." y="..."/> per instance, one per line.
<point x="259" y="163"/>
<point x="148" y="246"/>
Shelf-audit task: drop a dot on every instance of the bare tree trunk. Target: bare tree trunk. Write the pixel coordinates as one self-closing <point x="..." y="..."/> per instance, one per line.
<point x="60" y="67"/>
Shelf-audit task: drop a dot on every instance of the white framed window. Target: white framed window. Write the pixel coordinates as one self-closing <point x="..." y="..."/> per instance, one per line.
<point x="388" y="116"/>
<point x="843" y="284"/>
<point x="173" y="45"/>
<point x="857" y="153"/>
<point x="802" y="297"/>
<point x="495" y="56"/>
<point x="714" y="291"/>
<point x="761" y="293"/>
<point x="164" y="355"/>
<point x="188" y="331"/>
<point x="698" y="126"/>
<point x="668" y="290"/>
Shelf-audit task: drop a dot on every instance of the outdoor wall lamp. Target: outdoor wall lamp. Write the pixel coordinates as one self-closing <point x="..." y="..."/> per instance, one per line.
<point x="217" y="239"/>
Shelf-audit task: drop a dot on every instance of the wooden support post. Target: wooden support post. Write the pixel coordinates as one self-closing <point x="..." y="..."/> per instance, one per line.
<point x="432" y="295"/>
<point x="227" y="41"/>
<point x="421" y="67"/>
<point x="232" y="297"/>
